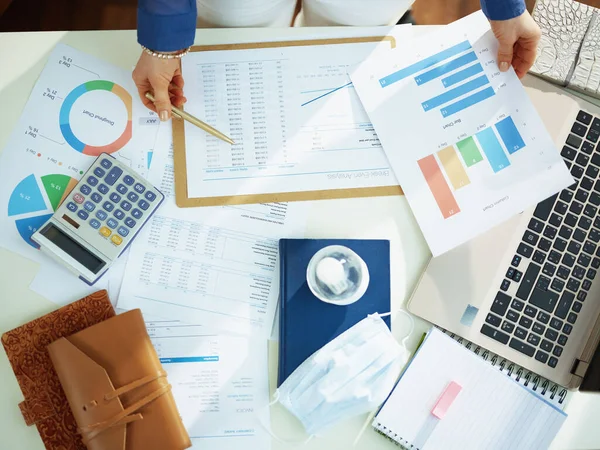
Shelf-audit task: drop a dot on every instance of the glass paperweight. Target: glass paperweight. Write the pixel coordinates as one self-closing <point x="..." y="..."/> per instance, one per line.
<point x="337" y="275"/>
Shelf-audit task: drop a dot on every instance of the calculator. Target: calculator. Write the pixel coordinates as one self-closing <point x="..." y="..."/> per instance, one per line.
<point x="99" y="218"/>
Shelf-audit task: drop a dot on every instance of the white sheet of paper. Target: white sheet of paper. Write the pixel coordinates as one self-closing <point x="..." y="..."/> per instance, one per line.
<point x="463" y="138"/>
<point x="294" y="115"/>
<point x="80" y="106"/>
<point x="220" y="384"/>
<point x="215" y="267"/>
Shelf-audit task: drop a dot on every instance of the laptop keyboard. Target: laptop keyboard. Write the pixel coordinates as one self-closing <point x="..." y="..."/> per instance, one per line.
<point x="557" y="259"/>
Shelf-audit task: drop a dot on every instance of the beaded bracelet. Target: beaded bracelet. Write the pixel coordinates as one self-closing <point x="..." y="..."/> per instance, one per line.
<point x="160" y="55"/>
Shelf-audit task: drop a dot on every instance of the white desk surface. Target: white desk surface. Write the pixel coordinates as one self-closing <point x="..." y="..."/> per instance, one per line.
<point x="23" y="56"/>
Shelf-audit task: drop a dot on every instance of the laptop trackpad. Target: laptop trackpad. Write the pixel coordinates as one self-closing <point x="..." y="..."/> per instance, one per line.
<point x="455" y="284"/>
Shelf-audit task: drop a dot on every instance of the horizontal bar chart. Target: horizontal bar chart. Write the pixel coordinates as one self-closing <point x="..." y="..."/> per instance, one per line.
<point x="467" y="102"/>
<point x="462" y="75"/>
<point x="469" y="151"/>
<point x="510" y="135"/>
<point x="438" y="186"/>
<point x="454" y="169"/>
<point x="492" y="149"/>
<point x="455" y="93"/>
<point x="442" y="70"/>
<point x="424" y="64"/>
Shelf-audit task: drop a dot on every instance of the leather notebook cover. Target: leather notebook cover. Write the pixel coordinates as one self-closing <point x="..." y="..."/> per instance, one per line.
<point x="45" y="403"/>
<point x="117" y="388"/>
<point x="306" y="323"/>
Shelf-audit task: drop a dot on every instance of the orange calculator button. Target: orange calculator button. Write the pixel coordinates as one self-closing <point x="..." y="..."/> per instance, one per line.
<point x="105" y="232"/>
<point x="116" y="239"/>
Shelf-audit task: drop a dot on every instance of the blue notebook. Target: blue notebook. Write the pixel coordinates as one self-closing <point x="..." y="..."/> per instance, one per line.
<point x="306" y="323"/>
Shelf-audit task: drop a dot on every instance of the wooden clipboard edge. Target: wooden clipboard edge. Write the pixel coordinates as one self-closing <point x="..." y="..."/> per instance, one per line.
<point x="179" y="151"/>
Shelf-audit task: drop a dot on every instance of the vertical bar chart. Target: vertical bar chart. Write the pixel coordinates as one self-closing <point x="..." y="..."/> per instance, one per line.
<point x="438" y="186"/>
<point x="492" y="149"/>
<point x="510" y="135"/>
<point x="469" y="151"/>
<point x="454" y="169"/>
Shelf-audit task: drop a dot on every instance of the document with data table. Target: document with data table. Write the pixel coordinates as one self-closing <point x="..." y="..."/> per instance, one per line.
<point x="220" y="384"/>
<point x="297" y="122"/>
<point x="216" y="267"/>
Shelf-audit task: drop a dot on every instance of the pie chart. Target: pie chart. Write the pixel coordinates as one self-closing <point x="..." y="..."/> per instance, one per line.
<point x="34" y="200"/>
<point x="70" y="131"/>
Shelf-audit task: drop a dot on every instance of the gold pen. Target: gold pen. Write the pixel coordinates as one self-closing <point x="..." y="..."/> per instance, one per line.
<point x="195" y="121"/>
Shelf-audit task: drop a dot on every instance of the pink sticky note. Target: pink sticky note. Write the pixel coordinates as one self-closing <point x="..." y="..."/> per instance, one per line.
<point x="447" y="398"/>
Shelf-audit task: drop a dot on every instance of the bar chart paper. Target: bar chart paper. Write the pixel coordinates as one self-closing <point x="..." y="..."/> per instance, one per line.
<point x="463" y="138"/>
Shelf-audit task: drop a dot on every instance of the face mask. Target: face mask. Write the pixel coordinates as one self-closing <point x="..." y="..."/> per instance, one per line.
<point x="351" y="375"/>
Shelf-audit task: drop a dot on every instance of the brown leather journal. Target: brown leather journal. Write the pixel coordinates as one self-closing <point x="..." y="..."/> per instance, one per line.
<point x="117" y="388"/>
<point x="45" y="403"/>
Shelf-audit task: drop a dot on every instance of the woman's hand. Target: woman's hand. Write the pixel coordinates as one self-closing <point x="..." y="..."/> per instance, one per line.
<point x="163" y="78"/>
<point x="518" y="38"/>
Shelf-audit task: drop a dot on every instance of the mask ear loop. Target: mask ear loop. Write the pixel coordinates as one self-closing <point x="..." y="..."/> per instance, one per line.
<point x="372" y="415"/>
<point x="269" y="430"/>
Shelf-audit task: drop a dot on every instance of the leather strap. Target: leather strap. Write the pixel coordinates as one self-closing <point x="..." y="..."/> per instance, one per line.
<point x="129" y="414"/>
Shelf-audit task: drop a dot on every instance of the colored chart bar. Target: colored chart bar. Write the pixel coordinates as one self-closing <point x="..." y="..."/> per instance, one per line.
<point x="446" y="68"/>
<point x="454" y="169"/>
<point x="510" y="135"/>
<point x="424" y="64"/>
<point x="469" y="151"/>
<point x="189" y="359"/>
<point x="438" y="186"/>
<point x="462" y="75"/>
<point x="467" y="102"/>
<point x="453" y="94"/>
<point x="493" y="150"/>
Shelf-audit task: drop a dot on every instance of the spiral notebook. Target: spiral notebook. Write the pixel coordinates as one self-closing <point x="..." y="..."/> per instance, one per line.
<point x="449" y="398"/>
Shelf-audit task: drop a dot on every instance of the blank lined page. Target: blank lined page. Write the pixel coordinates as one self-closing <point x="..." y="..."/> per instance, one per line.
<point x="491" y="411"/>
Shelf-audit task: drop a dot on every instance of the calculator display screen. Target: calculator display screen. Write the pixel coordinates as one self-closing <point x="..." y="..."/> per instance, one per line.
<point x="73" y="249"/>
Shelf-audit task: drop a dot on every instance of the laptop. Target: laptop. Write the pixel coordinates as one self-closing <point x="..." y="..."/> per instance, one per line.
<point x="529" y="289"/>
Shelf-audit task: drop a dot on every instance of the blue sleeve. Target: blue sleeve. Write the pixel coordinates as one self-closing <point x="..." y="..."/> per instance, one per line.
<point x="166" y="25"/>
<point x="502" y="9"/>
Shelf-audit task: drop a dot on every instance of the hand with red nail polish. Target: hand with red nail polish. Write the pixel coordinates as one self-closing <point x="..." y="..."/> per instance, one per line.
<point x="163" y="78"/>
<point x="518" y="39"/>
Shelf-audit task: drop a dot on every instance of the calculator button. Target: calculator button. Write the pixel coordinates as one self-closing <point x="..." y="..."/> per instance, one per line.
<point x="85" y="189"/>
<point x="108" y="206"/>
<point x="99" y="172"/>
<point x="112" y="223"/>
<point x="116" y="239"/>
<point x="103" y="189"/>
<point x="125" y="205"/>
<point x="89" y="206"/>
<point x="123" y="231"/>
<point x="97" y="198"/>
<point x="119" y="214"/>
<point x="122" y="189"/>
<point x="132" y="197"/>
<point x="92" y="180"/>
<point x="94" y="224"/>
<point x="71" y="206"/>
<point x="105" y="232"/>
<point x="150" y="196"/>
<point x="128" y="180"/>
<point x="78" y="198"/>
<point x="139" y="188"/>
<point x="144" y="204"/>
<point x="115" y="198"/>
<point x="101" y="215"/>
<point x="106" y="163"/>
<point x="113" y="175"/>
<point x="130" y="222"/>
<point x="82" y="215"/>
<point x="136" y="213"/>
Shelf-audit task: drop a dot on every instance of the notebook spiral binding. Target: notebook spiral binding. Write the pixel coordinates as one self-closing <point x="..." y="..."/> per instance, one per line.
<point x="393" y="437"/>
<point x="555" y="393"/>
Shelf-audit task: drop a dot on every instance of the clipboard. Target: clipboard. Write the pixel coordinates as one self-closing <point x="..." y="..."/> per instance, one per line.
<point x="179" y="151"/>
